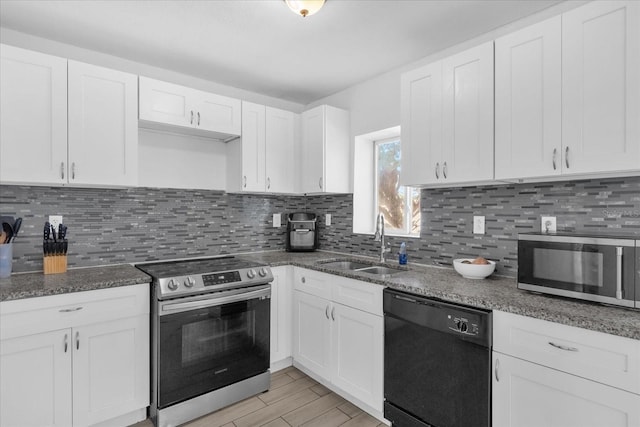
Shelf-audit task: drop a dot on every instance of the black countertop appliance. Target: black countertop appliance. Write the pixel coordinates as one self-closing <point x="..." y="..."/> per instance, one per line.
<point x="302" y="232"/>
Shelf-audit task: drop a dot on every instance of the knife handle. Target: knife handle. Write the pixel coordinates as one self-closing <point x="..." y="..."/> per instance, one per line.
<point x="62" y="232"/>
<point x="47" y="230"/>
<point x="53" y="233"/>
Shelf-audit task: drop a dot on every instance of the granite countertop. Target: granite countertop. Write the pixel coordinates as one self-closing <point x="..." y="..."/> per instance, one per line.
<point x="30" y="285"/>
<point x="493" y="293"/>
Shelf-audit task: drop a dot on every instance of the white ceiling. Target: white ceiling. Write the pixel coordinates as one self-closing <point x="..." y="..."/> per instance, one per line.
<point x="259" y="45"/>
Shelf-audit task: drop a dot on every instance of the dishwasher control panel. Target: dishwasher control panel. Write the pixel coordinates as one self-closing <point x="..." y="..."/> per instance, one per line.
<point x="462" y="325"/>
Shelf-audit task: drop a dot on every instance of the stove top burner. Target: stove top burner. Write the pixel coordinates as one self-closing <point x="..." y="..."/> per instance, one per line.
<point x="179" y="278"/>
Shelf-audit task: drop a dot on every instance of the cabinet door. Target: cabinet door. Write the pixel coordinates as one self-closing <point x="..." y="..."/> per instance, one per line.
<point x="103" y="126"/>
<point x="357" y="353"/>
<point x="253" y="147"/>
<point x="35" y="386"/>
<point x="33" y="117"/>
<point x="110" y="369"/>
<point x="281" y="306"/>
<point x="312" y="333"/>
<point x="601" y="87"/>
<point x="280" y="160"/>
<point x="422" y="125"/>
<point x="525" y="394"/>
<point x="165" y="103"/>
<point x="217" y="113"/>
<point x="467" y="115"/>
<point x="528" y="102"/>
<point x="312" y="162"/>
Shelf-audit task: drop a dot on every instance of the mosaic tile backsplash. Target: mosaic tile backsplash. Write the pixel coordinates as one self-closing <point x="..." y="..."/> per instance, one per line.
<point x="109" y="226"/>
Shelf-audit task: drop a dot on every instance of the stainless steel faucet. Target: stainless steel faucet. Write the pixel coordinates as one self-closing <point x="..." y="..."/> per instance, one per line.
<point x="379" y="236"/>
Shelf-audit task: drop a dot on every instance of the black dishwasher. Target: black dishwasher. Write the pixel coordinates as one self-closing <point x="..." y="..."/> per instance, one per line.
<point x="437" y="362"/>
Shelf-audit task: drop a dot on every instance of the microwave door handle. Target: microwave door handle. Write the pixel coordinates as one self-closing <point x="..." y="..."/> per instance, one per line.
<point x="212" y="302"/>
<point x="619" y="272"/>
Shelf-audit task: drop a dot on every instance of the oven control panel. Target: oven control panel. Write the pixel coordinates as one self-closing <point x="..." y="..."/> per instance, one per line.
<point x="221" y="278"/>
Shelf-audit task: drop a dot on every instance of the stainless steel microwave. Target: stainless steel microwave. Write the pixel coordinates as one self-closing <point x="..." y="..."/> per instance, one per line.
<point x="600" y="268"/>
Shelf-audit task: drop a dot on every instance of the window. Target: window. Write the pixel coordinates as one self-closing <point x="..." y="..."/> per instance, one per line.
<point x="400" y="205"/>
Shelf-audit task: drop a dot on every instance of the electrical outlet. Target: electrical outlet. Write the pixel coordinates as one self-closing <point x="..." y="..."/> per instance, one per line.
<point x="327" y="219"/>
<point x="548" y="224"/>
<point x="55" y="221"/>
<point x="478" y="225"/>
<point x="277" y="220"/>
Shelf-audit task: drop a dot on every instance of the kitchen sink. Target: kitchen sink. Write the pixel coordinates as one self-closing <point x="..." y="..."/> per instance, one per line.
<point x="379" y="270"/>
<point x="345" y="265"/>
<point x="361" y="267"/>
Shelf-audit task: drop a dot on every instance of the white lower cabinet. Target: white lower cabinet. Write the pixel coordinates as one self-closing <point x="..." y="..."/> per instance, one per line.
<point x="553" y="375"/>
<point x="87" y="373"/>
<point x="281" y="308"/>
<point x="526" y="394"/>
<point x="339" y="341"/>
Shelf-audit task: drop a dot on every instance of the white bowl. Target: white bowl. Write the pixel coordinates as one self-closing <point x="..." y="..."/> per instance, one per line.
<point x="473" y="271"/>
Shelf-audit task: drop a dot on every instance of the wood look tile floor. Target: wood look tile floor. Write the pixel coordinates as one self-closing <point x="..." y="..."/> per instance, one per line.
<point x="294" y="399"/>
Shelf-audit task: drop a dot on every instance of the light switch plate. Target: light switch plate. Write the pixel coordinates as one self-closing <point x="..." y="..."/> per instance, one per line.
<point x="327" y="219"/>
<point x="478" y="225"/>
<point x="548" y="224"/>
<point x="277" y="220"/>
<point x="55" y="221"/>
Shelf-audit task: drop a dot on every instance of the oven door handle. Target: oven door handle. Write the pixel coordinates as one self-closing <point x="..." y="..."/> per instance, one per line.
<point x="212" y="302"/>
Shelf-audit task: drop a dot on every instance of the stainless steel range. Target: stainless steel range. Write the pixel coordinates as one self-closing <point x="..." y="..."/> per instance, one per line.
<point x="209" y="335"/>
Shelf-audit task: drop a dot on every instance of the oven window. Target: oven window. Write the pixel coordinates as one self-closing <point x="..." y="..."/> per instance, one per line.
<point x="209" y="348"/>
<point x="580" y="268"/>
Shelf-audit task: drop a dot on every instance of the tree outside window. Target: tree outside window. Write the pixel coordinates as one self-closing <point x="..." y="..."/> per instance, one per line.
<point x="400" y="205"/>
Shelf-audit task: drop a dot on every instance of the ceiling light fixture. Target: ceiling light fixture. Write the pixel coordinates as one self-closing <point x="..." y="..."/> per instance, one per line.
<point x="304" y="7"/>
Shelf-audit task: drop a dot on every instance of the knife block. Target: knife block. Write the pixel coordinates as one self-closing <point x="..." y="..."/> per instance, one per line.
<point x="54" y="264"/>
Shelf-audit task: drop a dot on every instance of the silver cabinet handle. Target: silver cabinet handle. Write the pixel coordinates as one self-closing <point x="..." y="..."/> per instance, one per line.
<point x="619" y="272"/>
<point x="562" y="347"/>
<point x="73" y="170"/>
<point x="437" y="170"/>
<point x="333" y="312"/>
<point x="77" y="340"/>
<point x="62" y="170"/>
<point x="69" y="310"/>
<point x="566" y="157"/>
<point x="326" y="312"/>
<point x="268" y="183"/>
<point x="555" y="153"/>
<point x="66" y="342"/>
<point x="303" y="280"/>
<point x="320" y="183"/>
<point x="245" y="181"/>
<point x="198" y="118"/>
<point x="495" y="371"/>
<point x="444" y="170"/>
<point x="191" y="121"/>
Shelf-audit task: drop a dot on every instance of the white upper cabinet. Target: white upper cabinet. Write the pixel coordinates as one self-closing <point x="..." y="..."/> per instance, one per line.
<point x="253" y="147"/>
<point x="467" y="116"/>
<point x="169" y="106"/>
<point x="262" y="160"/>
<point x="66" y="122"/>
<point x="33" y="117"/>
<point x="528" y="134"/>
<point x="601" y="87"/>
<point x="103" y="129"/>
<point x="421" y="124"/>
<point x="281" y="135"/>
<point x="326" y="151"/>
<point x="447" y="120"/>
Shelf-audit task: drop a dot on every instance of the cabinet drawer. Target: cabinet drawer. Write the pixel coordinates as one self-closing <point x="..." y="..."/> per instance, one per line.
<point x="35" y="315"/>
<point x="357" y="294"/>
<point x="313" y="282"/>
<point x="605" y="358"/>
